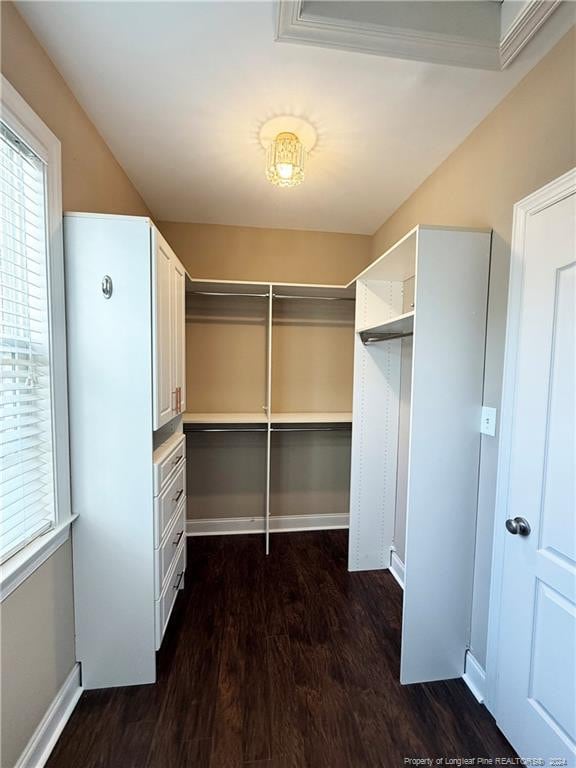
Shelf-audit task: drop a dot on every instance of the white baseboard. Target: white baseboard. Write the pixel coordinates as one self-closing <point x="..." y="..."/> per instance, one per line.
<point x="397" y="567"/>
<point x="287" y="523"/>
<point x="474" y="676"/>
<point x="46" y="735"/>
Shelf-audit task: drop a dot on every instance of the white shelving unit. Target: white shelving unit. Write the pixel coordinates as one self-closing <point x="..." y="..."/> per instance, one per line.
<point x="240" y="305"/>
<point x="125" y="323"/>
<point x="418" y="377"/>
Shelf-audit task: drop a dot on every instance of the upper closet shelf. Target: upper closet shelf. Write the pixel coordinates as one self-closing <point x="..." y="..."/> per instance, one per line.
<point x="311" y="418"/>
<point x="224" y="422"/>
<point x="279" y="290"/>
<point x="258" y="422"/>
<point x="395" y="328"/>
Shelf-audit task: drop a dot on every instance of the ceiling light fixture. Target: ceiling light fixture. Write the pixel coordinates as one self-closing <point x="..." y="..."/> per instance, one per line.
<point x="285" y="160"/>
<point x="287" y="141"/>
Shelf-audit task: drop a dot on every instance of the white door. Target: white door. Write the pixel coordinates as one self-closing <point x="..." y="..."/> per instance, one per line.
<point x="162" y="291"/>
<point x="535" y="689"/>
<point x="178" y="321"/>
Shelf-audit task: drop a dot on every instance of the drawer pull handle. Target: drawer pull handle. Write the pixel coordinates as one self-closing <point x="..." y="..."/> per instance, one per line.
<point x="177" y="539"/>
<point x="178" y="460"/>
<point x="180" y="492"/>
<point x="180" y="577"/>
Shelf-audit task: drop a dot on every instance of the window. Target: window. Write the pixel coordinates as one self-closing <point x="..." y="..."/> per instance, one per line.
<point x="26" y="445"/>
<point x="34" y="462"/>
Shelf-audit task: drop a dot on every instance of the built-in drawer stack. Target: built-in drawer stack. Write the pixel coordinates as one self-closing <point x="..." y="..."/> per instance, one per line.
<point x="169" y="528"/>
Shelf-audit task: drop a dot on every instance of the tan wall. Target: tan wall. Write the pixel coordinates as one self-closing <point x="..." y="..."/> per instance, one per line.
<point x="527" y="141"/>
<point x="37" y="632"/>
<point x="92" y="179"/>
<point x="275" y="255"/>
<point x="37" y="650"/>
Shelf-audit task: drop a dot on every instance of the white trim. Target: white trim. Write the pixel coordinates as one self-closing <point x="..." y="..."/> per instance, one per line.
<point x="22" y="119"/>
<point x="236" y="525"/>
<point x="552" y="193"/>
<point x="528" y="21"/>
<point x="396" y="567"/>
<point x="294" y="26"/>
<point x="46" y="735"/>
<point x="474" y="676"/>
<point x="23" y="564"/>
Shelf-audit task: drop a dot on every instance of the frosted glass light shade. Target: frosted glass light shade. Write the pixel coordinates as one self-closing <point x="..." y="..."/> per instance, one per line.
<point x="285" y="158"/>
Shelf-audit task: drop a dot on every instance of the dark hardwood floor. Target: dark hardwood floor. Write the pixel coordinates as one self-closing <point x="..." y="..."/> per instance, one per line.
<point x="281" y="662"/>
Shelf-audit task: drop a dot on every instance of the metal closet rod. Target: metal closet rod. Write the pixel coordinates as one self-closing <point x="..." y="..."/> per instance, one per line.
<point x="374" y="338"/>
<point x="311" y="429"/>
<point x="315" y="298"/>
<point x="273" y="429"/>
<point x="274" y="295"/>
<point x="227" y="293"/>
<point x="224" y="429"/>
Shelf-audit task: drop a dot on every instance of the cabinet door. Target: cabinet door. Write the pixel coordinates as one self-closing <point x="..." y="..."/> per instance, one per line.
<point x="178" y="325"/>
<point x="163" y="335"/>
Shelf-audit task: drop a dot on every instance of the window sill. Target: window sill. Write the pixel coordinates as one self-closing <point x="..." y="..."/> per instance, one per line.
<point x="23" y="564"/>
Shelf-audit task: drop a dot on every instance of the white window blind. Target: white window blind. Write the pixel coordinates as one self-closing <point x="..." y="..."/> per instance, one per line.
<point x="27" y="506"/>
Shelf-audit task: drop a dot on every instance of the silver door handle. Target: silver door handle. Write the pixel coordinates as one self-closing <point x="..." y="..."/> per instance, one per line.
<point x="518" y="525"/>
<point x="180" y="577"/>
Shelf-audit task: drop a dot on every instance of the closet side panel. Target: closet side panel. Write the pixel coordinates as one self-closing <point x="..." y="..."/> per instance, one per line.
<point x="110" y="397"/>
<point x="374" y="434"/>
<point x="448" y="361"/>
<point x="403" y="448"/>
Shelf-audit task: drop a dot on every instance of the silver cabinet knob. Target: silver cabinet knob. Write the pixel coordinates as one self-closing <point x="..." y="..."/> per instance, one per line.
<point x="518" y="525"/>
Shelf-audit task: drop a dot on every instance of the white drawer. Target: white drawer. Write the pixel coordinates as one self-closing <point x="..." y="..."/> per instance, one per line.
<point x="166" y="552"/>
<point x="174" y="582"/>
<point x="166" y="458"/>
<point x="169" y="500"/>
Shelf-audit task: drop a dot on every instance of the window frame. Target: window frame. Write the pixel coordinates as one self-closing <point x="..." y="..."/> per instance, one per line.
<point x="24" y="122"/>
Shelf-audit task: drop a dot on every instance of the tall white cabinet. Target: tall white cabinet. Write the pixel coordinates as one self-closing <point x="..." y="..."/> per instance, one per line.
<point x="418" y="379"/>
<point x="125" y="318"/>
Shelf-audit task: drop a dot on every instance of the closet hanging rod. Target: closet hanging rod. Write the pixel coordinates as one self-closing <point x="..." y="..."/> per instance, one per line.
<point x="374" y="338"/>
<point x="344" y="428"/>
<point x="228" y="293"/>
<point x="320" y="298"/>
<point x="188" y="428"/>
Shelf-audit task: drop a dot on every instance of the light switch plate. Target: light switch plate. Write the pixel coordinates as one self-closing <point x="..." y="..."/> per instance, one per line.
<point x="488" y="423"/>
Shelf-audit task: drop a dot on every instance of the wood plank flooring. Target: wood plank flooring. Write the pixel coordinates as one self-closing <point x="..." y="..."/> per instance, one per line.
<point x="281" y="662"/>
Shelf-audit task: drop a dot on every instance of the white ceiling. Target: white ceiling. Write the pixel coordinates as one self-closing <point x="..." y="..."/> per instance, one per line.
<point x="179" y="90"/>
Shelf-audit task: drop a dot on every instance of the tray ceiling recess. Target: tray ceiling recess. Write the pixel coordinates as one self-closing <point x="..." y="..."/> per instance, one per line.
<point x="462" y="33"/>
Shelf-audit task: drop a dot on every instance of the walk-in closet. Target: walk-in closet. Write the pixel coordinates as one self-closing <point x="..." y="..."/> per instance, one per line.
<point x="268" y="414"/>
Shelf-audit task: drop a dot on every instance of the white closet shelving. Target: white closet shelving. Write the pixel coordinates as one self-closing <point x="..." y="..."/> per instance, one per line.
<point x="126" y="382"/>
<point x="243" y="333"/>
<point x="418" y="378"/>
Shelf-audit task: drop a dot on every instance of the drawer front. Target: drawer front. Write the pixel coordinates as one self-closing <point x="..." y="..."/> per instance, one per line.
<point x="168" y="502"/>
<point x="164" y="468"/>
<point x="166" y="552"/>
<point x="174" y="583"/>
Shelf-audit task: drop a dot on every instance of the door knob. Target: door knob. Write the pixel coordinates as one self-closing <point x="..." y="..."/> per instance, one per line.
<point x="518" y="525"/>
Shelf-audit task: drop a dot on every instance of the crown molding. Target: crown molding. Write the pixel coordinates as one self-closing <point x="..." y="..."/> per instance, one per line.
<point x="524" y="27"/>
<point x="296" y="27"/>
